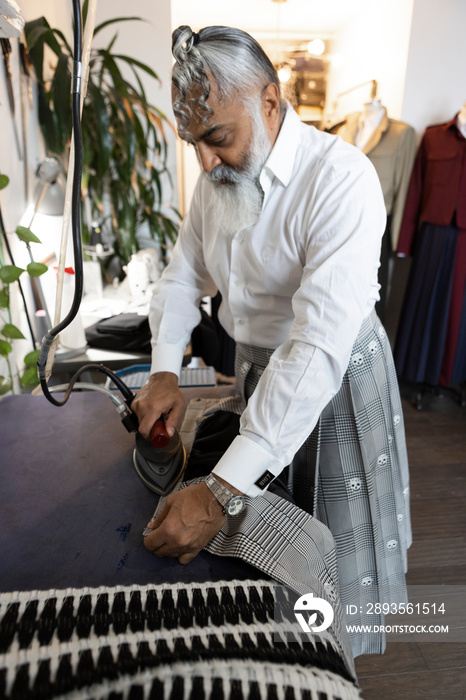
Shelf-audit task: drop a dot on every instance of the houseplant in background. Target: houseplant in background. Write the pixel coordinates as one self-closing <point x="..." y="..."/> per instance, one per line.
<point x="9" y="332"/>
<point x="124" y="141"/>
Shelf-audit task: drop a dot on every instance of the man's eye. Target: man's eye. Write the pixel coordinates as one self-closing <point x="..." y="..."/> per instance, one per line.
<point x="219" y="141"/>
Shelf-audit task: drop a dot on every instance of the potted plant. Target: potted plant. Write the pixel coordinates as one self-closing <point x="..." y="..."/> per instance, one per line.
<point x="124" y="142"/>
<point x="9" y="332"/>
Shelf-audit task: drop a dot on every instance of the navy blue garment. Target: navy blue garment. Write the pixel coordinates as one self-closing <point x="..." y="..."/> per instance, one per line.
<point x="422" y="332"/>
<point x="458" y="374"/>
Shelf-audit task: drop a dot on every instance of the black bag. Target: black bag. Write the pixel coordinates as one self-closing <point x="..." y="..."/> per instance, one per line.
<point x="130" y="332"/>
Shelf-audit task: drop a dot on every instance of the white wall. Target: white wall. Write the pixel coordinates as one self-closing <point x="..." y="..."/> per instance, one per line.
<point x="373" y="45"/>
<point x="435" y="83"/>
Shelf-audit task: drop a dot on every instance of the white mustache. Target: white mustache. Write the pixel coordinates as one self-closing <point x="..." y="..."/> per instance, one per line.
<point x="225" y="174"/>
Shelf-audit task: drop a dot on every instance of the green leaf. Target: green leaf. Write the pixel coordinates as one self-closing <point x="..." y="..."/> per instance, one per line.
<point x="116" y="19"/>
<point x="10" y="273"/>
<point x="4" y="180"/>
<point x="111" y="66"/>
<point x="36" y="269"/>
<point x="62" y="98"/>
<point x="47" y="120"/>
<point x="63" y="38"/>
<point x="84" y="12"/>
<point x="30" y="377"/>
<point x="4" y="298"/>
<point x="5" y="386"/>
<point x="133" y="62"/>
<point x="38" y="34"/>
<point x="31" y="358"/>
<point x="12" y="332"/>
<point x="41" y="34"/>
<point x="99" y="130"/>
<point x="110" y="46"/>
<point x="26" y="235"/>
<point x="5" y="348"/>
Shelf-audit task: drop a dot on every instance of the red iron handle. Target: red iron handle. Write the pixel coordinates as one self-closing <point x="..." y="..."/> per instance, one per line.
<point x="158" y="435"/>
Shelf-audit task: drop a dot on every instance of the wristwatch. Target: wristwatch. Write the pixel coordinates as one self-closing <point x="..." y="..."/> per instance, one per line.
<point x="231" y="504"/>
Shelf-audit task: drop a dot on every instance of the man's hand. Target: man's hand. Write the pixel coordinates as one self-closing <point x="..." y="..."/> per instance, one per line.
<point x="160" y="396"/>
<point x="188" y="521"/>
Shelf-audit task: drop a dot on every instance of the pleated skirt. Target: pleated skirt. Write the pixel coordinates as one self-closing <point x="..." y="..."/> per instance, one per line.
<point x="352" y="475"/>
<point x="431" y="339"/>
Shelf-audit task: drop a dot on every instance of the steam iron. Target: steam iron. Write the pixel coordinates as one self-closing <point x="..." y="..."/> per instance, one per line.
<point x="160" y="461"/>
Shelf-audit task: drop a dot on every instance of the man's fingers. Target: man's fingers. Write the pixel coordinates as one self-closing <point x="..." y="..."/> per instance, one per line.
<point x="157" y="538"/>
<point x="146" y="424"/>
<point x="188" y="556"/>
<point x="160" y="517"/>
<point x="160" y="396"/>
<point x="174" y="418"/>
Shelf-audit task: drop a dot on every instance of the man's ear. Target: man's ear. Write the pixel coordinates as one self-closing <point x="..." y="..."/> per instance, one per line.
<point x="270" y="100"/>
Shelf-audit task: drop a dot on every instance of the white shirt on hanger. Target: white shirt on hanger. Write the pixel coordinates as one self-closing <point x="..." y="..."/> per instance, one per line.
<point x="301" y="280"/>
<point x="370" y="119"/>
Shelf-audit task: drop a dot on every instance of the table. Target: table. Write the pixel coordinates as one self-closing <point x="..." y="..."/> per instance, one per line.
<point x="72" y="508"/>
<point x="69" y="363"/>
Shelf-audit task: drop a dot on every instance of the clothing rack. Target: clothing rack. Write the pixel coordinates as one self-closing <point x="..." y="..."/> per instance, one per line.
<point x="356" y="87"/>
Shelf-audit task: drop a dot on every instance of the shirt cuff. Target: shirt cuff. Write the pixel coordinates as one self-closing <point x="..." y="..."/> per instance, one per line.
<point x="248" y="467"/>
<point x="167" y="358"/>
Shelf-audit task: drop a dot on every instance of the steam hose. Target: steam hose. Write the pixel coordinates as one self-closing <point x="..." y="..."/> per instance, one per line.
<point x="52" y="334"/>
<point x="75" y="210"/>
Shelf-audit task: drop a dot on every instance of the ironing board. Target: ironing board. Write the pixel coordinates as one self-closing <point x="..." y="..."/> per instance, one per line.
<point x="86" y="611"/>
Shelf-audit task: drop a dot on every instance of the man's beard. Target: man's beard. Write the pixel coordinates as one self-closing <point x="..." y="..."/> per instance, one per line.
<point x="237" y="197"/>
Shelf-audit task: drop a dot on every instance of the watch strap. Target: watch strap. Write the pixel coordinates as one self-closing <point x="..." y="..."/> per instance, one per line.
<point x="221" y="493"/>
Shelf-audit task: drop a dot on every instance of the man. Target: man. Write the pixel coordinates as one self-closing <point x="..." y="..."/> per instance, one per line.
<point x="286" y="222"/>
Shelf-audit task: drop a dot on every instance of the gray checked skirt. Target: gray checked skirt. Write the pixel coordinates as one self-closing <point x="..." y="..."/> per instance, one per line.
<point x="352" y="475"/>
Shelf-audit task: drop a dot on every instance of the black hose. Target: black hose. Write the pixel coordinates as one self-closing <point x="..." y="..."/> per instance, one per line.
<point x="127" y="393"/>
<point x="77" y="242"/>
<point x="75" y="211"/>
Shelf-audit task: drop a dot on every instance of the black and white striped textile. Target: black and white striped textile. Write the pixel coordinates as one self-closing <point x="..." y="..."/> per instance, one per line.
<point x="211" y="641"/>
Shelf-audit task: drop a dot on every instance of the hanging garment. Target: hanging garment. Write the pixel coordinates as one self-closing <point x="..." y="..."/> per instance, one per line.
<point x="430" y="346"/>
<point x="391" y="149"/>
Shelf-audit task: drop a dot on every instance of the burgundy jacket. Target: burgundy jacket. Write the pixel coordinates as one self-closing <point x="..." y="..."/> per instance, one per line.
<point x="438" y="183"/>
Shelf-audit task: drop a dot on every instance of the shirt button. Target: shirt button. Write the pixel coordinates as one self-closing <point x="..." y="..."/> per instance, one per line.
<point x="240" y="238"/>
<point x="240" y="321"/>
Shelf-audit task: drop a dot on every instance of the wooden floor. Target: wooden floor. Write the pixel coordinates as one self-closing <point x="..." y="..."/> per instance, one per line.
<point x="436" y="438"/>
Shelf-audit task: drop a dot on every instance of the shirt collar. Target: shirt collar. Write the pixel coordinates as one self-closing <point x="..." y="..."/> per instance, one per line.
<point x="280" y="162"/>
<point x="451" y="123"/>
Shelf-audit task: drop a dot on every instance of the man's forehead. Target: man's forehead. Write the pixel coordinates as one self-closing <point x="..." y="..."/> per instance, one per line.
<point x="203" y="123"/>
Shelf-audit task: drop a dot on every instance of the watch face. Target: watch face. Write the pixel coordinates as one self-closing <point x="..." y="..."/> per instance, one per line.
<point x="235" y="505"/>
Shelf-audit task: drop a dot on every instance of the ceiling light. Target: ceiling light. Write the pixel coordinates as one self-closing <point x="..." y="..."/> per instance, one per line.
<point x="284" y="73"/>
<point x="316" y="47"/>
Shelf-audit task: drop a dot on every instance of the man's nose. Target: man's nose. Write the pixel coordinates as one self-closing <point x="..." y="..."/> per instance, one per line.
<point x="208" y="158"/>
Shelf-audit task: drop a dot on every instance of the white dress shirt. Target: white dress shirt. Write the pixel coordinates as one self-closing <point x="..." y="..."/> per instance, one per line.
<point x="301" y="281"/>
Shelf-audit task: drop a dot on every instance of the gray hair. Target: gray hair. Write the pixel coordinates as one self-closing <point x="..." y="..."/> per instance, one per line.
<point x="236" y="61"/>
